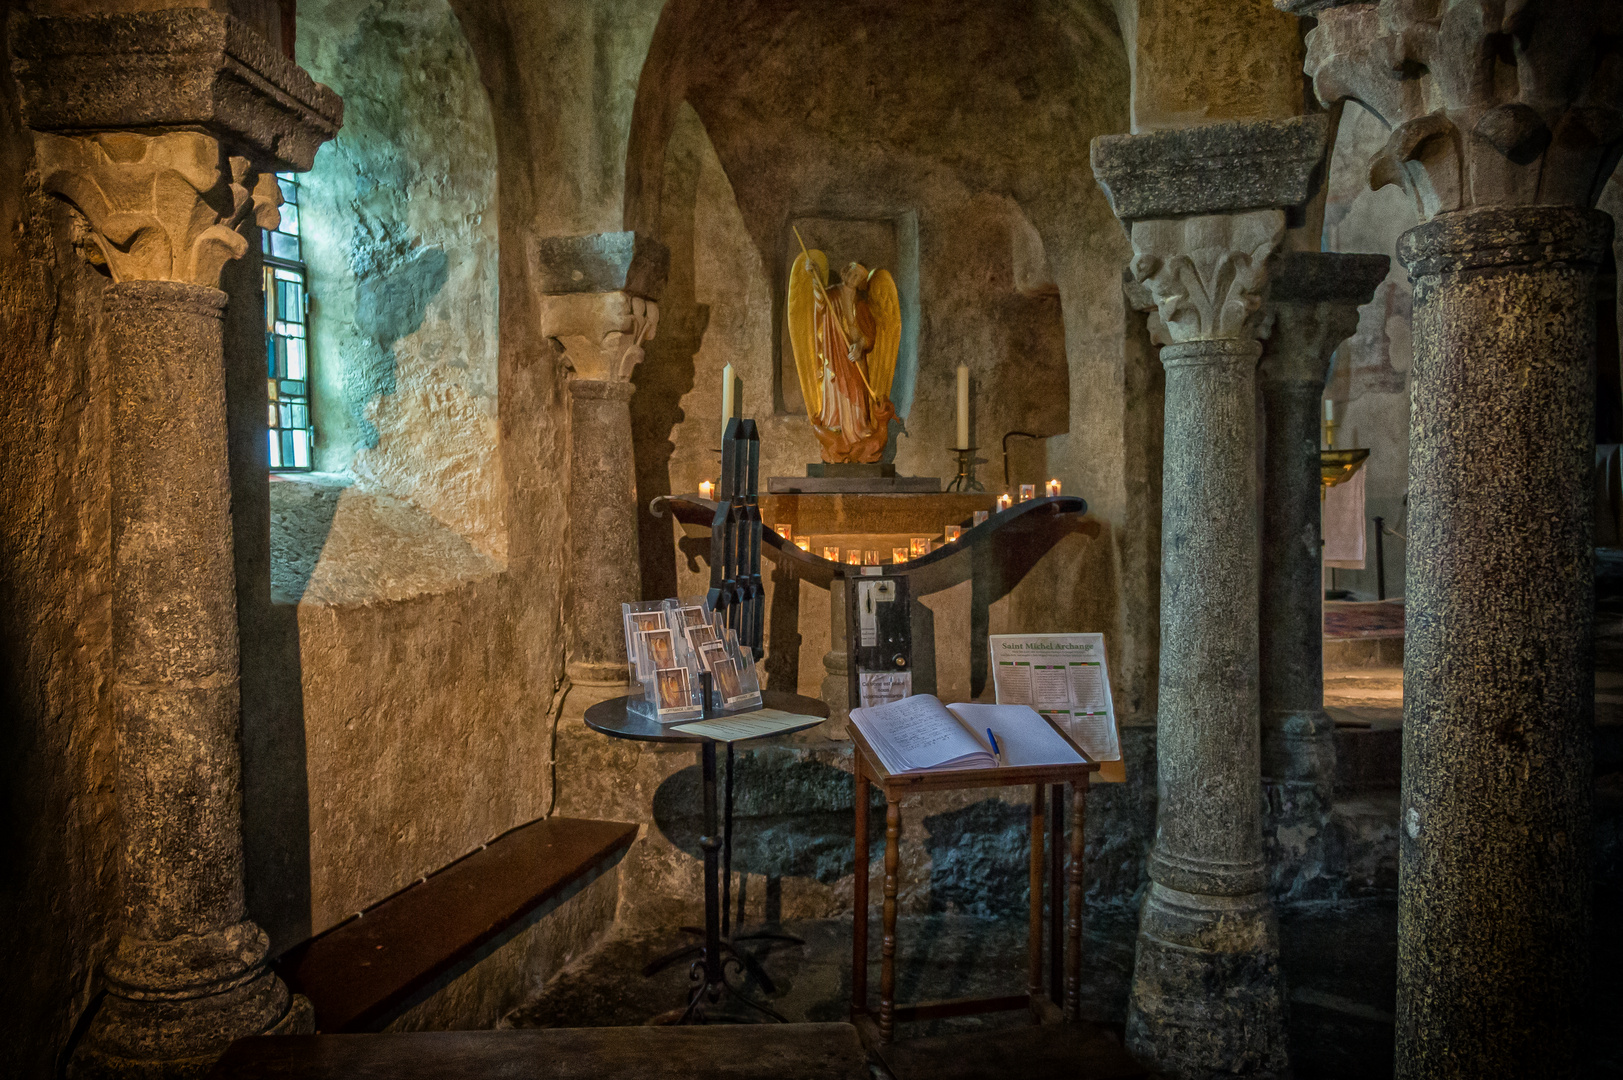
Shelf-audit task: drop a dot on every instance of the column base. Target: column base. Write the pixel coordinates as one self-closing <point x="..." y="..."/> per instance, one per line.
<point x="597" y="673"/>
<point x="1298" y="785"/>
<point x="157" y="1023"/>
<point x="836" y="693"/>
<point x="1208" y="995"/>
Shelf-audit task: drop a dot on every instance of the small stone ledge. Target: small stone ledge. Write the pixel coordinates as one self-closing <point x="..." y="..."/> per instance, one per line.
<point x="1308" y="277"/>
<point x="599" y="263"/>
<point x="334" y="545"/>
<point x="1211" y="169"/>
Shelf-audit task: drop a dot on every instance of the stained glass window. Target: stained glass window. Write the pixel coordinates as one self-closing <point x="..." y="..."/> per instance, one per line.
<point x="287" y="349"/>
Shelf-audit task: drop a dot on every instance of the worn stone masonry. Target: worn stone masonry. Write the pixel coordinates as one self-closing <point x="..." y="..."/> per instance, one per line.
<point x="1208" y="997"/>
<point x="164" y="208"/>
<point x="600" y="305"/>
<point x="1506" y="121"/>
<point x="1312" y="304"/>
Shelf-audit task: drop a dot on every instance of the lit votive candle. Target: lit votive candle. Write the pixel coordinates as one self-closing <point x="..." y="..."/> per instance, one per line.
<point x="803" y="544"/>
<point x="853" y="557"/>
<point x="870" y="558"/>
<point x="899" y="554"/>
<point x="982" y="515"/>
<point x="1028" y="491"/>
<point x="1052" y="488"/>
<point x="953" y="532"/>
<point x="832" y="554"/>
<point x="919" y="545"/>
<point x="1004" y="501"/>
<point x="784" y="530"/>
<point x="707" y="489"/>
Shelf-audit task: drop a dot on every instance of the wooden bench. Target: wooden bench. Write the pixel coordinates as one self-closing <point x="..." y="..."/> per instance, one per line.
<point x="361" y="973"/>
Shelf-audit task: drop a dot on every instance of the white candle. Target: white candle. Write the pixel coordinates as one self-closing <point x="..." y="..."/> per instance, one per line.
<point x="963" y="407"/>
<point x="727" y="379"/>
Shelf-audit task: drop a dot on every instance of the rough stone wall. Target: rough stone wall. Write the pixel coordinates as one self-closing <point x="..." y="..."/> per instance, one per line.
<point x="401" y="241"/>
<point x="58" y="826"/>
<point x="1369" y="377"/>
<point x="424" y="652"/>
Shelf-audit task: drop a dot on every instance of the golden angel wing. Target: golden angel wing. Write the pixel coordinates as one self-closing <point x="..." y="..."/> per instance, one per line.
<point x="807" y="278"/>
<point x="886" y="307"/>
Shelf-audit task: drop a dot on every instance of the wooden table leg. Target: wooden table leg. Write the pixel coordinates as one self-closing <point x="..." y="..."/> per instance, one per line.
<point x="1034" y="981"/>
<point x="1073" y="924"/>
<point x="887" y="965"/>
<point x="1056" y="893"/>
<point x="859" y="903"/>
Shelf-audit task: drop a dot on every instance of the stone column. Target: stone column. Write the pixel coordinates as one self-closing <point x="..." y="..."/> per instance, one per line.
<point x="195" y="111"/>
<point x="1205" y="208"/>
<point x="1313" y="301"/>
<point x="600" y="306"/>
<point x="1504" y="127"/>
<point x="189" y="973"/>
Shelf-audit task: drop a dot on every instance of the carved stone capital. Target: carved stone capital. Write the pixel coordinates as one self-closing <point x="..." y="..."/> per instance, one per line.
<point x="1203" y="277"/>
<point x="601" y="333"/>
<point x="1312" y="303"/>
<point x="179" y="68"/>
<point x="160" y="207"/>
<point x="1489" y="104"/>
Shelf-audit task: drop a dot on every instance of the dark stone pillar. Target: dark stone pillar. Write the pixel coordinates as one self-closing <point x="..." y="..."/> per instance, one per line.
<point x="602" y="528"/>
<point x="1313" y="298"/>
<point x="189" y="973"/>
<point x="1498" y="666"/>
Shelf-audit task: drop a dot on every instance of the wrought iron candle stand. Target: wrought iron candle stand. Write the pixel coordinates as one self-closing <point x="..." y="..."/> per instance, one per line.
<point x="736" y="592"/>
<point x="737" y="595"/>
<point x="719" y="959"/>
<point x="965" y="480"/>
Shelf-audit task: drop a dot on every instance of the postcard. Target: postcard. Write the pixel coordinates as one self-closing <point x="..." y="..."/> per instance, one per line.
<point x="671" y="684"/>
<point x="659" y="646"/>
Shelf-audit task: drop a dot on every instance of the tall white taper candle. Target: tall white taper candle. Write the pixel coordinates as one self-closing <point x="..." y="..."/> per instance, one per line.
<point x="727" y="380"/>
<point x="963" y="407"/>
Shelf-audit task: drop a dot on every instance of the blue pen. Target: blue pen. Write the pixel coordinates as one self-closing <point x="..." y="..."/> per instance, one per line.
<point x="995" y="750"/>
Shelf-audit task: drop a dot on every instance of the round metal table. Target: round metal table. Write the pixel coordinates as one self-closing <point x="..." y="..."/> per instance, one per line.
<point x="711" y="984"/>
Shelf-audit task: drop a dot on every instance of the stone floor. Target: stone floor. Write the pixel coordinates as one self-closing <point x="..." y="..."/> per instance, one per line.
<point x="1341" y="968"/>
<point x="1340" y="959"/>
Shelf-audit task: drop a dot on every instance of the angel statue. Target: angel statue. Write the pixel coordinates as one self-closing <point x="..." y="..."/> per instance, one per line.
<point x="845" y="338"/>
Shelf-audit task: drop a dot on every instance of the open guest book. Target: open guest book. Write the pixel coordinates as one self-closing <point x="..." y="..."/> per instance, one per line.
<point x="919" y="734"/>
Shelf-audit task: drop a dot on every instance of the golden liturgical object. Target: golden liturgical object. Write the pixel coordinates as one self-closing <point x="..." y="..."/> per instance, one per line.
<point x="1338" y="466"/>
<point x="845" y="339"/>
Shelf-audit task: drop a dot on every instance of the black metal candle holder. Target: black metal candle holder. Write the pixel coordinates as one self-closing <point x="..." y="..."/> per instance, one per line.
<point x="737" y="594"/>
<point x="965" y="480"/>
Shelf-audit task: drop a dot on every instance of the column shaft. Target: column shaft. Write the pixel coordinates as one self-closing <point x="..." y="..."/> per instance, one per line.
<point x="1313" y="297"/>
<point x="188" y="975"/>
<point x="1207" y="921"/>
<point x="1494" y="843"/>
<point x="1298" y="752"/>
<point x="602" y="528"/>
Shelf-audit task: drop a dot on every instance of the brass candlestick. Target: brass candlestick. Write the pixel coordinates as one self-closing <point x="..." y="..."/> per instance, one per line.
<point x="965" y="480"/>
